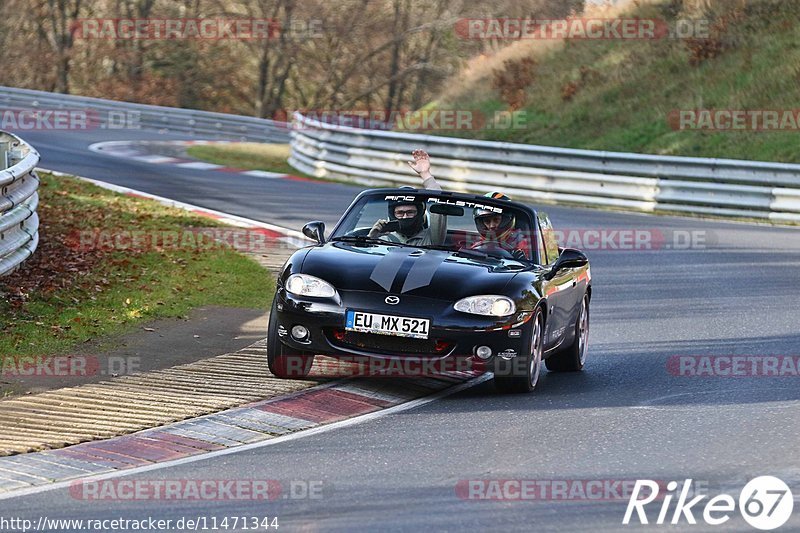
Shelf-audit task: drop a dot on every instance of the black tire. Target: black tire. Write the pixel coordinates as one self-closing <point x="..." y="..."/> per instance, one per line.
<point x="284" y="362"/>
<point x="525" y="379"/>
<point x="573" y="357"/>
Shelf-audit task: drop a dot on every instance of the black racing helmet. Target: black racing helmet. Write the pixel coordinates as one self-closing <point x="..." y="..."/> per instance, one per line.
<point x="408" y="226"/>
<point x="507" y="219"/>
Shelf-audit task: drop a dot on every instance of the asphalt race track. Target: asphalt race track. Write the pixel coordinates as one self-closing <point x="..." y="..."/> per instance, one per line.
<point x="630" y="415"/>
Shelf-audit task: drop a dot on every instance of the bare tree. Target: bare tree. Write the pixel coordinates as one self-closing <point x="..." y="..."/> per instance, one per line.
<point x="55" y="21"/>
<point x="370" y="54"/>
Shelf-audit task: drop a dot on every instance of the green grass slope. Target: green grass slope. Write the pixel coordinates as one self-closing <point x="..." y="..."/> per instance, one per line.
<point x="618" y="95"/>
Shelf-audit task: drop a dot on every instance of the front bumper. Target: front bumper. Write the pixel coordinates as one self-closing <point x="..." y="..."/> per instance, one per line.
<point x="452" y="334"/>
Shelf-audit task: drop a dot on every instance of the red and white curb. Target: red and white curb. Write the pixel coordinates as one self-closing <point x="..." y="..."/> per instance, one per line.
<point x="136" y="151"/>
<point x="256" y="425"/>
<point x="279" y="233"/>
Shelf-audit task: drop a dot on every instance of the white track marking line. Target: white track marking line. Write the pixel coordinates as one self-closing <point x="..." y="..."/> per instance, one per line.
<point x="122" y="152"/>
<point x="262" y="174"/>
<point x="102" y="146"/>
<point x="199" y="165"/>
<point x="263" y="444"/>
<point x="156" y="159"/>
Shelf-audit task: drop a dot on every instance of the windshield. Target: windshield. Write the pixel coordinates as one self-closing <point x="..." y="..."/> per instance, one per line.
<point x="491" y="228"/>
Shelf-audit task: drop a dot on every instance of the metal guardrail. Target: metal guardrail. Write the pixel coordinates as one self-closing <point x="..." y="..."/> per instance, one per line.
<point x="19" y="223"/>
<point x="639" y="182"/>
<point x="112" y="114"/>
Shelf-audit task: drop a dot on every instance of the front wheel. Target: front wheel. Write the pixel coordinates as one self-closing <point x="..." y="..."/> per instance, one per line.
<point x="573" y="357"/>
<point x="525" y="368"/>
<point x="285" y="362"/>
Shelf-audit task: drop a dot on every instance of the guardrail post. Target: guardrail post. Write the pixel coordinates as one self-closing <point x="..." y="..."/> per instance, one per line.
<point x="13" y="157"/>
<point x="4" y="148"/>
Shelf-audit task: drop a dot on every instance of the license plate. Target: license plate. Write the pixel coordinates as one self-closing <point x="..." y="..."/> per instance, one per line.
<point x="399" y="326"/>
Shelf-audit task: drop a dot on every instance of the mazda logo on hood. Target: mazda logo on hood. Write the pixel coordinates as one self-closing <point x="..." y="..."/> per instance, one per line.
<point x="392" y="300"/>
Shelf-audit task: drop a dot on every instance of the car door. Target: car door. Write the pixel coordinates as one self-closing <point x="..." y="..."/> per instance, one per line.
<point x="561" y="290"/>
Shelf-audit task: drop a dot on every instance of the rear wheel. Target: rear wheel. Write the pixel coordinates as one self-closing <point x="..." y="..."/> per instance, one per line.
<point x="573" y="357"/>
<point x="526" y="367"/>
<point x="283" y="361"/>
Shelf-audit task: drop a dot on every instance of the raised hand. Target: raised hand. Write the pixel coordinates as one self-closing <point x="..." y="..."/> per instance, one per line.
<point x="421" y="163"/>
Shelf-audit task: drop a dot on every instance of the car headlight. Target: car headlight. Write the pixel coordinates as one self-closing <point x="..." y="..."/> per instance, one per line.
<point x="305" y="285"/>
<point x="490" y="305"/>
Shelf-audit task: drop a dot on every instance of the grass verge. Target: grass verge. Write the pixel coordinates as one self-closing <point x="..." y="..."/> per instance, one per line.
<point x="69" y="293"/>
<point x="249" y="156"/>
<point x="253" y="156"/>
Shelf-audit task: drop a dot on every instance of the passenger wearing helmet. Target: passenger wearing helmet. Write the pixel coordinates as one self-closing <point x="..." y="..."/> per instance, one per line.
<point x="500" y="229"/>
<point x="411" y="223"/>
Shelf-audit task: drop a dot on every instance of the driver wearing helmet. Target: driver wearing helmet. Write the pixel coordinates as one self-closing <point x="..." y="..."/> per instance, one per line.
<point x="407" y="222"/>
<point x="500" y="229"/>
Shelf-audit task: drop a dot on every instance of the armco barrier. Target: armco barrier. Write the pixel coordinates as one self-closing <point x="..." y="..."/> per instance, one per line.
<point x="719" y="187"/>
<point x="19" y="224"/>
<point x="112" y="114"/>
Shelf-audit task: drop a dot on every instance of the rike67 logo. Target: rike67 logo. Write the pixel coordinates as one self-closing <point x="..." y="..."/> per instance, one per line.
<point x="765" y="503"/>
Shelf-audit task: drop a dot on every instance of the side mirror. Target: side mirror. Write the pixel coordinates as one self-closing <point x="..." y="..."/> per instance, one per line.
<point x="569" y="258"/>
<point x="315" y="230"/>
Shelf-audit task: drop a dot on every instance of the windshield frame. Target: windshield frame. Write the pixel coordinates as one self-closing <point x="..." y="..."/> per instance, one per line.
<point x="466" y="201"/>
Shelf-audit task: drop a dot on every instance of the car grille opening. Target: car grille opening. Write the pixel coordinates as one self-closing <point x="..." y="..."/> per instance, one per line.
<point x="389" y="344"/>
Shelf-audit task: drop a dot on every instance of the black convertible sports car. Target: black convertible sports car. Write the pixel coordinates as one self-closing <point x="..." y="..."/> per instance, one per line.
<point x="500" y="295"/>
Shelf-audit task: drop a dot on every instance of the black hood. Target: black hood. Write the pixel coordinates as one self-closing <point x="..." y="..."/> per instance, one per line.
<point x="407" y="270"/>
